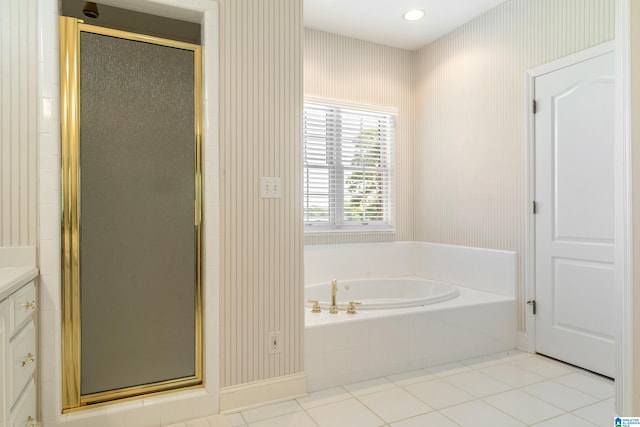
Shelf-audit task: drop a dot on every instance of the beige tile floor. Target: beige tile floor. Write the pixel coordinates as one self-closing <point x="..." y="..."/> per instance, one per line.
<point x="500" y="390"/>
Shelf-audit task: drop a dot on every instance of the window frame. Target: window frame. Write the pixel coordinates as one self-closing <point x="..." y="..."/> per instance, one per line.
<point x="337" y="222"/>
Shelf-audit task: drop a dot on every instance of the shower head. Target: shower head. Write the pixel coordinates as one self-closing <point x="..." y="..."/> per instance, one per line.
<point x="90" y="10"/>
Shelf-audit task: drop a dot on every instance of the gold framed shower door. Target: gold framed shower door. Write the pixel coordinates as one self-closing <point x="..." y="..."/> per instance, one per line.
<point x="70" y="62"/>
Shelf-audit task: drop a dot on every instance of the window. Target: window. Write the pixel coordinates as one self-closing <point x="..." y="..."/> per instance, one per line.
<point x="347" y="168"/>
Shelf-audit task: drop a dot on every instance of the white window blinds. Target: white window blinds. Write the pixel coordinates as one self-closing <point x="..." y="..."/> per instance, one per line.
<point x="347" y="168"/>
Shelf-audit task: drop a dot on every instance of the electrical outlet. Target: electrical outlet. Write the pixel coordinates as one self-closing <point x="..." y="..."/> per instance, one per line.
<point x="270" y="187"/>
<point x="275" y="344"/>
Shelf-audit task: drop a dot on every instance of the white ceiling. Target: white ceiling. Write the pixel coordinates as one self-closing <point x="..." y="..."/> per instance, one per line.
<point x="381" y="21"/>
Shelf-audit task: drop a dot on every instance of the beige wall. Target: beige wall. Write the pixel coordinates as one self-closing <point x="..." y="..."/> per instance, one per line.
<point x="353" y="70"/>
<point x="261" y="239"/>
<point x="18" y="123"/>
<point x="470" y="127"/>
<point x="469" y="177"/>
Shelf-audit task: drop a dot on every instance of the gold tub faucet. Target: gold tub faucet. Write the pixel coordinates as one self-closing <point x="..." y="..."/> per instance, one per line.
<point x="334" y="290"/>
<point x="316" y="306"/>
<point x="352" y="307"/>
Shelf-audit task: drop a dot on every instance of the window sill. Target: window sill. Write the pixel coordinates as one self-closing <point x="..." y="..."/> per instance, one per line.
<point x="349" y="231"/>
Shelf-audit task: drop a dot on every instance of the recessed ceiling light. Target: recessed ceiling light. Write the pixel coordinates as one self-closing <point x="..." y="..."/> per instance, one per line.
<point x="413" y="14"/>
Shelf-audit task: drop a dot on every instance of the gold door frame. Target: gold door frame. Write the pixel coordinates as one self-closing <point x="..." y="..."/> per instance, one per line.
<point x="72" y="399"/>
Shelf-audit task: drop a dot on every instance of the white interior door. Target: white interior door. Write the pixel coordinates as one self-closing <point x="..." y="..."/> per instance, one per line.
<point x="574" y="193"/>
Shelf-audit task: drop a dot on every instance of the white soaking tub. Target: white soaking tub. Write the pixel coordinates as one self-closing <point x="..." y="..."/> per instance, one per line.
<point x="451" y="303"/>
<point x="374" y="294"/>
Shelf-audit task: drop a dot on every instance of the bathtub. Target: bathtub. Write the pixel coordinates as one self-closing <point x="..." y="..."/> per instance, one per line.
<point x="477" y="316"/>
<point x="376" y="294"/>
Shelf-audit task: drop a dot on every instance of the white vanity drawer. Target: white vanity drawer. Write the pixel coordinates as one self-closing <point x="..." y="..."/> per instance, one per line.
<point x="22" y="304"/>
<point x="24" y="413"/>
<point x="23" y="359"/>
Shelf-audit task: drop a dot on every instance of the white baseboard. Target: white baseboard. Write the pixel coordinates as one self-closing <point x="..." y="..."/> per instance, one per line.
<point x="17" y="256"/>
<point x="245" y="396"/>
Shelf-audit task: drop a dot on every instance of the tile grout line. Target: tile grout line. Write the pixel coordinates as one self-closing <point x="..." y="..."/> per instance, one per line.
<point x="565" y="412"/>
<point x="477" y="368"/>
<point x="481" y="399"/>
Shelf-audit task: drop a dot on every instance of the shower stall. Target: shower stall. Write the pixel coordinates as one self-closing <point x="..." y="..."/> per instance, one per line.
<point x="132" y="209"/>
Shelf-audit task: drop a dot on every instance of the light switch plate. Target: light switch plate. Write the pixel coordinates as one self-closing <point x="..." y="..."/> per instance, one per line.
<point x="270" y="187"/>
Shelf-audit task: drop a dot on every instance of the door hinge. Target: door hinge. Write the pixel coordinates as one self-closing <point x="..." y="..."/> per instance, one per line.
<point x="532" y="303"/>
<point x="535" y="106"/>
<point x="534" y="207"/>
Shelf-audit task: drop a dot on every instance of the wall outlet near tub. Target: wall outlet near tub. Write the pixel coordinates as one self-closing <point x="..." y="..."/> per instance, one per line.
<point x="275" y="342"/>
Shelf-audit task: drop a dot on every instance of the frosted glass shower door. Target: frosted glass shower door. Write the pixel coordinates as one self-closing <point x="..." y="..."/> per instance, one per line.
<point x="137" y="216"/>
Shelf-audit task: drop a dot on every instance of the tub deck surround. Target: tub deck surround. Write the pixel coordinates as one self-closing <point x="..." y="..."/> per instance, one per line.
<point x="345" y="348"/>
<point x="486" y="270"/>
<point x="376" y="294"/>
<point x="467" y="298"/>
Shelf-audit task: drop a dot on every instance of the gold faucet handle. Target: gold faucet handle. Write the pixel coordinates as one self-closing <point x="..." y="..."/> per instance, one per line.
<point x="352" y="307"/>
<point x="316" y="305"/>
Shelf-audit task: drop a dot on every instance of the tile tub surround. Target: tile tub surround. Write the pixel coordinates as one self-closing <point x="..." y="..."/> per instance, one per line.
<point x="485" y="270"/>
<point x="341" y="349"/>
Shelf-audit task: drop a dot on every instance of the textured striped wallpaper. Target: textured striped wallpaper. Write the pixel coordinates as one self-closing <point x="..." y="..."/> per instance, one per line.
<point x="353" y="70"/>
<point x="470" y="124"/>
<point x="18" y="123"/>
<point x="460" y="101"/>
<point x="261" y="239"/>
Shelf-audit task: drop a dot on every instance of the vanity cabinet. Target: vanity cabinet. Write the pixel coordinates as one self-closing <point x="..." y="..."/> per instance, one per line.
<point x="18" y="354"/>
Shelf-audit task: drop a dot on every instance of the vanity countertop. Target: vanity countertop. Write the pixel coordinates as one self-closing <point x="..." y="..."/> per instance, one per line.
<point x="13" y="278"/>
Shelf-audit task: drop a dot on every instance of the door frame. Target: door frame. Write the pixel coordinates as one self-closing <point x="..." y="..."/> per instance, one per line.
<point x="72" y="397"/>
<point x="623" y="245"/>
<point x="532" y="74"/>
<point x="529" y="340"/>
<point x="624" y="386"/>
